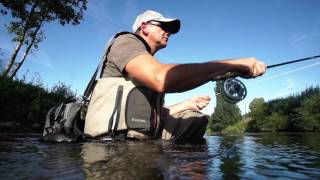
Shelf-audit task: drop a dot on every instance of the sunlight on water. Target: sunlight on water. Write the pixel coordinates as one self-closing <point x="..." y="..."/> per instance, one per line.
<point x="250" y="156"/>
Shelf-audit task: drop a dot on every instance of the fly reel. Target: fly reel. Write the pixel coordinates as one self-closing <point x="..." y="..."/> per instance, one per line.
<point x="233" y="90"/>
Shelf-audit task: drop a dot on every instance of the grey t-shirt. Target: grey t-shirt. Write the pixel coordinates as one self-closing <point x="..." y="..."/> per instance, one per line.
<point x="125" y="48"/>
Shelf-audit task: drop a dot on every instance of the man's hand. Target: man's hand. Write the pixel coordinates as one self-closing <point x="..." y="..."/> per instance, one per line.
<point x="251" y="67"/>
<point x="196" y="103"/>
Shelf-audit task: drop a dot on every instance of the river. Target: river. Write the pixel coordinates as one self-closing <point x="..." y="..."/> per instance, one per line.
<point x="247" y="156"/>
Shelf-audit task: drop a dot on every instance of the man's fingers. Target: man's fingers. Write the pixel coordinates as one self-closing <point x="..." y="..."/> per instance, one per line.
<point x="202" y="105"/>
<point x="261" y="68"/>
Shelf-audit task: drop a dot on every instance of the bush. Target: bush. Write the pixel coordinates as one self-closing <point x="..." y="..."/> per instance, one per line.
<point x="25" y="105"/>
<point x="299" y="112"/>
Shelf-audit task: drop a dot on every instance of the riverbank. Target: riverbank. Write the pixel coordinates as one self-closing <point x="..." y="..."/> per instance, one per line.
<point x="24" y="104"/>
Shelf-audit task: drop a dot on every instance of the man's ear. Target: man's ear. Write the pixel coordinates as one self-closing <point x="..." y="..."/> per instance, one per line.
<point x="144" y="28"/>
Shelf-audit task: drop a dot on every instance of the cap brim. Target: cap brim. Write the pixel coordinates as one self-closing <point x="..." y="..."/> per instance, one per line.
<point x="173" y="25"/>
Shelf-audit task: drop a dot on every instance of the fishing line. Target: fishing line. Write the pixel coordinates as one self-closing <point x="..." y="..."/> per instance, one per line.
<point x="284" y="73"/>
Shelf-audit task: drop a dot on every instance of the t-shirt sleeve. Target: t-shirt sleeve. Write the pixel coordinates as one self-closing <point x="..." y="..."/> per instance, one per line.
<point x="124" y="49"/>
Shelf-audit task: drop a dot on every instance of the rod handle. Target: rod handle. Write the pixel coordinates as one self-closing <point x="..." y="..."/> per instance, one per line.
<point x="226" y="76"/>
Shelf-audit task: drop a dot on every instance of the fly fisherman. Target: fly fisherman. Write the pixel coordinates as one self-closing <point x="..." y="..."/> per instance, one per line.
<point x="131" y="57"/>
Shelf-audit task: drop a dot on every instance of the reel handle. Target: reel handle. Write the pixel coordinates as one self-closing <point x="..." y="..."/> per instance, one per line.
<point x="232" y="90"/>
<point x="226" y="76"/>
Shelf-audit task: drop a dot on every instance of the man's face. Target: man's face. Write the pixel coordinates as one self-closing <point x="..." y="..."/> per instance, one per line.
<point x="159" y="33"/>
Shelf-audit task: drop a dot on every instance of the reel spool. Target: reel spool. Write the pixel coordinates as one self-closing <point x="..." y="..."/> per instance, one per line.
<point x="233" y="90"/>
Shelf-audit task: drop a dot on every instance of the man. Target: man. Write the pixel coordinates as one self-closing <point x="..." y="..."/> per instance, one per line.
<point x="131" y="56"/>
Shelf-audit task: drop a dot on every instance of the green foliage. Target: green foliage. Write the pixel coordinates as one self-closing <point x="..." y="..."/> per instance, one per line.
<point x="256" y="103"/>
<point x="64" y="92"/>
<point x="28" y="18"/>
<point x="273" y="122"/>
<point x="30" y="14"/>
<point x="239" y="127"/>
<point x="295" y="113"/>
<point x="310" y="113"/>
<point x="24" y="105"/>
<point x="225" y="114"/>
<point x="257" y="116"/>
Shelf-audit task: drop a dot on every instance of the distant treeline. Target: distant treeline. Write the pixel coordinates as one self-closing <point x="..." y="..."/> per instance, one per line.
<point x="24" y="105"/>
<point x="297" y="113"/>
<point x="300" y="112"/>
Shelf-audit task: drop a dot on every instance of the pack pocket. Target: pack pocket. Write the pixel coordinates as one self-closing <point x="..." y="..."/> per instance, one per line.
<point x="118" y="104"/>
<point x="139" y="110"/>
<point x="64" y="123"/>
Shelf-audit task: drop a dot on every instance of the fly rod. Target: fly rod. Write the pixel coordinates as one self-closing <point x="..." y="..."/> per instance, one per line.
<point x="294" y="61"/>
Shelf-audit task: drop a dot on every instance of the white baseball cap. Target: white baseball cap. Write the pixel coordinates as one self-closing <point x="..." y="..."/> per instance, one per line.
<point x="172" y="24"/>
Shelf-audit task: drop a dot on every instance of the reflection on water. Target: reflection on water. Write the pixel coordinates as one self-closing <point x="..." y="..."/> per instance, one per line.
<point x="117" y="160"/>
<point x="250" y="156"/>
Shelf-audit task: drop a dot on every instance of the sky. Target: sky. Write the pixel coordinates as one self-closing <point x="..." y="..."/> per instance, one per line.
<point x="273" y="31"/>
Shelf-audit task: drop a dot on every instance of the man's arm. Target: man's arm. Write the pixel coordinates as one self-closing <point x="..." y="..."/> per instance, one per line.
<point x="182" y="77"/>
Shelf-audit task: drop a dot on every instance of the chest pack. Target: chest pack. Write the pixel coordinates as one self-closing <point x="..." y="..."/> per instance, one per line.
<point x="109" y="107"/>
<point x="119" y="105"/>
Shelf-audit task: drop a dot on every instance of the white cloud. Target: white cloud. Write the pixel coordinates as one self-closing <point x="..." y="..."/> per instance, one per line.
<point x="297" y="41"/>
<point x="305" y="42"/>
<point x="130" y="12"/>
<point x="41" y="57"/>
<point x="290" y="85"/>
<point x="285" y="73"/>
<point x="99" y="12"/>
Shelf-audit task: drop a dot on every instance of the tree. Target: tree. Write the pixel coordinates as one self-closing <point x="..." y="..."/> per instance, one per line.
<point x="293" y="113"/>
<point x="257" y="114"/>
<point x="310" y="112"/>
<point x="256" y="103"/>
<point x="273" y="122"/>
<point x="1" y="61"/>
<point x="63" y="91"/>
<point x="29" y="16"/>
<point x="225" y="114"/>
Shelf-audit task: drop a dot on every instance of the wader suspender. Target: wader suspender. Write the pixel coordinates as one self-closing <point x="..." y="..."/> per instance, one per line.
<point x="88" y="91"/>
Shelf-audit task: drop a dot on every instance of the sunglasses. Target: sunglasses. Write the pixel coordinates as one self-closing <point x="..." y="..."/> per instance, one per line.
<point x="163" y="26"/>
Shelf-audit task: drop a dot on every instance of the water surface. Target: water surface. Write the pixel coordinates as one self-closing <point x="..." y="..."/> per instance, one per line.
<point x="249" y="156"/>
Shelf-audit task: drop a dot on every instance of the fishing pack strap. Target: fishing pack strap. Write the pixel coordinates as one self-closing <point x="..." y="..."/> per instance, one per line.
<point x="92" y="82"/>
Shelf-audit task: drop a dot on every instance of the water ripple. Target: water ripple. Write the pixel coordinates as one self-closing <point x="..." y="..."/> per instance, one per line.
<point x="251" y="156"/>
